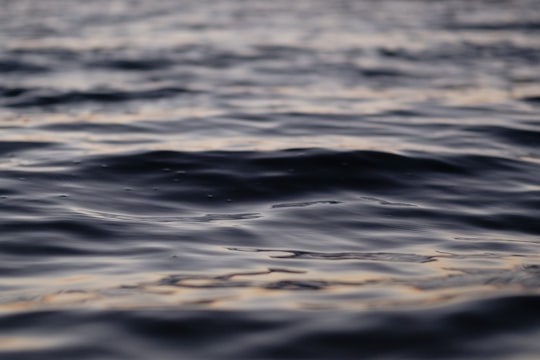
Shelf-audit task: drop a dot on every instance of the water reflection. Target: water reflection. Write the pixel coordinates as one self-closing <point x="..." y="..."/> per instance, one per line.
<point x="442" y="278"/>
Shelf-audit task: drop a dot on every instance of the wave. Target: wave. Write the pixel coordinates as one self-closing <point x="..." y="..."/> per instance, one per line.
<point x="458" y="331"/>
<point x="49" y="97"/>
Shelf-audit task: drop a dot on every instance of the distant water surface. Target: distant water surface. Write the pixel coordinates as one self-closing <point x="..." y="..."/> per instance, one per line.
<point x="269" y="179"/>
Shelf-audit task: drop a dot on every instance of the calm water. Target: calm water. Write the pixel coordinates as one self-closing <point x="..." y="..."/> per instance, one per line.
<point x="269" y="179"/>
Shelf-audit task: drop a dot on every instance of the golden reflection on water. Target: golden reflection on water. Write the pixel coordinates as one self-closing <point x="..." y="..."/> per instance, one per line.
<point x="447" y="279"/>
<point x="28" y="343"/>
<point x="32" y="127"/>
<point x="326" y="40"/>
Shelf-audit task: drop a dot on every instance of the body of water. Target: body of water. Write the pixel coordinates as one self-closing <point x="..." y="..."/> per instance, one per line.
<point x="269" y="179"/>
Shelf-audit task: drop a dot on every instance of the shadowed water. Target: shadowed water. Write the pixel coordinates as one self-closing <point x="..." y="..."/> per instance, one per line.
<point x="264" y="180"/>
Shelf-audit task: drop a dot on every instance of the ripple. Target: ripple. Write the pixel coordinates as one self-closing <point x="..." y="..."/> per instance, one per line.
<point x="295" y="254"/>
<point x="304" y="204"/>
<point x="40" y="97"/>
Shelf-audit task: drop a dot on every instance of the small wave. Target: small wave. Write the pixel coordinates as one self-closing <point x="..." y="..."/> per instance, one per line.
<point x="527" y="137"/>
<point x="13" y="147"/>
<point x="306" y="203"/>
<point x="133" y="64"/>
<point x="15" y="66"/>
<point x="40" y="97"/>
<point x="309" y="255"/>
<point x="169" y="219"/>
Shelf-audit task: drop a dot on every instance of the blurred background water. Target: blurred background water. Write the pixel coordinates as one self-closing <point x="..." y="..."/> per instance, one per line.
<point x="261" y="180"/>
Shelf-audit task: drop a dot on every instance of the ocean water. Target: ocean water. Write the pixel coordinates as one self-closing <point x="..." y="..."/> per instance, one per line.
<point x="269" y="179"/>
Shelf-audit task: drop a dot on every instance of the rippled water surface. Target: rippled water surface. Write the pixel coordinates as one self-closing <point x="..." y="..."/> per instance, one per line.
<point x="269" y="179"/>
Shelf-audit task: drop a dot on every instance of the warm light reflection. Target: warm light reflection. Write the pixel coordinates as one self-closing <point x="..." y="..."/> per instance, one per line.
<point x="27" y="343"/>
<point x="33" y="127"/>
<point x="449" y="278"/>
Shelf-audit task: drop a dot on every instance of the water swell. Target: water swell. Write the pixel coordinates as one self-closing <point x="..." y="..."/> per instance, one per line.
<point x="46" y="97"/>
<point x="454" y="332"/>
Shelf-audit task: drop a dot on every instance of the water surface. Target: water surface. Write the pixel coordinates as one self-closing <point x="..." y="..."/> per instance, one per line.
<point x="262" y="180"/>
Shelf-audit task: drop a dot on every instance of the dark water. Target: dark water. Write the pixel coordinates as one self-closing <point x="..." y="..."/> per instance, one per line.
<point x="269" y="179"/>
